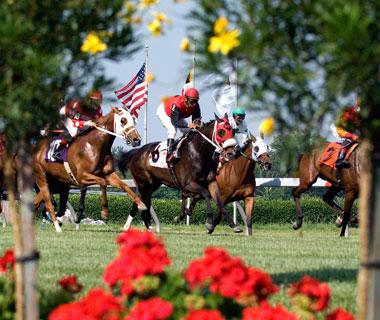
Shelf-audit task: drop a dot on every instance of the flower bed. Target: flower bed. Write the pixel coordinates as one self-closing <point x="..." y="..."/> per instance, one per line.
<point x="137" y="285"/>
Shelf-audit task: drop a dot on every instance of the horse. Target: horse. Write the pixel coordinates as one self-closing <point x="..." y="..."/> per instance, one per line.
<point x="194" y="173"/>
<point x="236" y="181"/>
<point x="89" y="159"/>
<point x="310" y="169"/>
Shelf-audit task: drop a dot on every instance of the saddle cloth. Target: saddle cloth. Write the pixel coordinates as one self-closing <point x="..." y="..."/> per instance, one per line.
<point x="157" y="158"/>
<point x="331" y="153"/>
<point x="49" y="155"/>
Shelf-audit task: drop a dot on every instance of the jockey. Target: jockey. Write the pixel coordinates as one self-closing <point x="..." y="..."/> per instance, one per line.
<point x="239" y="125"/>
<point x="345" y="130"/>
<point x="78" y="117"/>
<point x="172" y="113"/>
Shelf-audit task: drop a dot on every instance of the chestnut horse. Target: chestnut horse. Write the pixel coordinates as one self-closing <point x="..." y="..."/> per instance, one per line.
<point x="236" y="181"/>
<point x="310" y="169"/>
<point x="195" y="171"/>
<point x="89" y="158"/>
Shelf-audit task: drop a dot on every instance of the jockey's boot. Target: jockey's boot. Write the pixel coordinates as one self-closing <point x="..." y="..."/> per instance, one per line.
<point x="170" y="151"/>
<point x="341" y="161"/>
<point x="65" y="142"/>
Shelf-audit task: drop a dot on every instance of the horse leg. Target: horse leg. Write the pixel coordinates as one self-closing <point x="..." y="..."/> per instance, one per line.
<point x="186" y="211"/>
<point x="104" y="213"/>
<point x="215" y="194"/>
<point x="82" y="204"/>
<point x="63" y="197"/>
<point x="131" y="216"/>
<point x="44" y="195"/>
<point x="328" y="197"/>
<point x="249" y="203"/>
<point x="115" y="181"/>
<point x="350" y="196"/>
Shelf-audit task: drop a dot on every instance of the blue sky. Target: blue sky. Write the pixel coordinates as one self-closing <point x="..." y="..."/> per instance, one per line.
<point x="170" y="68"/>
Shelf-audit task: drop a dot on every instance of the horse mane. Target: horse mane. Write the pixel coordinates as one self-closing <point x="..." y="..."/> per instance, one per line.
<point x="209" y="122"/>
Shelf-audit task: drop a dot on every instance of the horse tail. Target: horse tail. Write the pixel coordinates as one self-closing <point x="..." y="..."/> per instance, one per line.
<point x="124" y="160"/>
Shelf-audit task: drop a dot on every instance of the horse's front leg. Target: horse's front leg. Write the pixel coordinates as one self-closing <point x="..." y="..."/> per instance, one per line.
<point x="63" y="197"/>
<point x="215" y="194"/>
<point x="249" y="203"/>
<point x="116" y="182"/>
<point x="349" y="199"/>
<point x="105" y="212"/>
<point x="83" y="192"/>
<point x="44" y="195"/>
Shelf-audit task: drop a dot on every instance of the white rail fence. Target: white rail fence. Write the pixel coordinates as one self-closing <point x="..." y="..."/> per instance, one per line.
<point x="260" y="182"/>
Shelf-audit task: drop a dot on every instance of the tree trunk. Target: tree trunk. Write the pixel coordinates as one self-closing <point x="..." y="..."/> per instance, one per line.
<point x="366" y="180"/>
<point x="17" y="235"/>
<point x="30" y="255"/>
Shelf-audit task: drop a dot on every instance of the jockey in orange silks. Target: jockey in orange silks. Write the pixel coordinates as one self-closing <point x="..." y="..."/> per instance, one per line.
<point x="78" y="116"/>
<point x="346" y="131"/>
<point x="172" y="113"/>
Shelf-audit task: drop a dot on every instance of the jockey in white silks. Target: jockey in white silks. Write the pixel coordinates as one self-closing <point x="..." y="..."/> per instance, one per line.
<point x="239" y="125"/>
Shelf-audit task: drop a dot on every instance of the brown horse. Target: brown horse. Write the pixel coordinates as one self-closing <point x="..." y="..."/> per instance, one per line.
<point x="236" y="181"/>
<point x="89" y="158"/>
<point x="193" y="174"/>
<point x="310" y="169"/>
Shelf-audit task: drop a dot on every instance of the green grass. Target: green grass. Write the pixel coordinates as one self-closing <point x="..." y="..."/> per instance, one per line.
<point x="286" y="254"/>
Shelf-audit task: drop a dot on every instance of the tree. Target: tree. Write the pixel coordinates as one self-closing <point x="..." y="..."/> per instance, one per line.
<point x="49" y="49"/>
<point x="301" y="60"/>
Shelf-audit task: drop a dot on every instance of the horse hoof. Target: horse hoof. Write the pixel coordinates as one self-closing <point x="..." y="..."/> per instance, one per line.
<point x="296" y="225"/>
<point x="338" y="222"/>
<point x="177" y="219"/>
<point x="210" y="228"/>
<point x="237" y="229"/>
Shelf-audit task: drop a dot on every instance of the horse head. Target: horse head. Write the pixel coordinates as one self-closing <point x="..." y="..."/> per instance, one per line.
<point x="124" y="124"/>
<point x="224" y="137"/>
<point x="260" y="153"/>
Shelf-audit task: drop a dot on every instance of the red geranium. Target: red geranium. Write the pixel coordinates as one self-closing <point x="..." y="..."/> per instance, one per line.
<point x="204" y="315"/>
<point x="267" y="312"/>
<point x="151" y="309"/>
<point x="229" y="277"/>
<point x="319" y="293"/>
<point x="70" y="284"/>
<point x="141" y="253"/>
<point x="340" y="314"/>
<point x="7" y="261"/>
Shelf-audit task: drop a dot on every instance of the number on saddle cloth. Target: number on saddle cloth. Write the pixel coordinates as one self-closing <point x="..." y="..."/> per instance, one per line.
<point x="157" y="157"/>
<point x="54" y="153"/>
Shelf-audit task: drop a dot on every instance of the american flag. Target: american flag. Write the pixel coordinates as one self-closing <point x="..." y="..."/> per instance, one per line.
<point x="135" y="93"/>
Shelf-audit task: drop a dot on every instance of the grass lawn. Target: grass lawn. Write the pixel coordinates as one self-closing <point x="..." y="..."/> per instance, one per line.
<point x="286" y="254"/>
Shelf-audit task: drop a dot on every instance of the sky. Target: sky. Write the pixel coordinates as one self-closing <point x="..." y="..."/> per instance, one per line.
<point x="170" y="67"/>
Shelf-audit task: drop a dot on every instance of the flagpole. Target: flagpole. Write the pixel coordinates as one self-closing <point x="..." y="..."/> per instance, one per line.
<point x="236" y="82"/>
<point x="195" y="45"/>
<point x="146" y="104"/>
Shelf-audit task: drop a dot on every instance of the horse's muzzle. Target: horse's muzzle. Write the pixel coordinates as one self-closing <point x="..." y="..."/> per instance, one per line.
<point x="135" y="142"/>
<point x="266" y="166"/>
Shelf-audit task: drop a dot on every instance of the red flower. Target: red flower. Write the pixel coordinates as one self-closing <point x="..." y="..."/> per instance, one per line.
<point x="266" y="312"/>
<point x="70" y="284"/>
<point x="141" y="253"/>
<point x="340" y="314"/>
<point x="318" y="292"/>
<point x="229" y="277"/>
<point x="7" y="261"/>
<point x="151" y="309"/>
<point x="96" y="305"/>
<point x="204" y="315"/>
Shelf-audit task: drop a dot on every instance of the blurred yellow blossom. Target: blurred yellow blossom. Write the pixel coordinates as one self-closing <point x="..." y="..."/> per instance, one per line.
<point x="130" y="6"/>
<point x="221" y="25"/>
<point x="267" y="126"/>
<point x="160" y="16"/>
<point x="155" y="28"/>
<point x="164" y="98"/>
<point x="137" y="20"/>
<point x="93" y="44"/>
<point x="224" y="42"/>
<point x="147" y="3"/>
<point x="150" y="77"/>
<point x="185" y="45"/>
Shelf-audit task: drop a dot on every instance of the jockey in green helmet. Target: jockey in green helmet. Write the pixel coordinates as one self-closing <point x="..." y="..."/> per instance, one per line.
<point x="239" y="125"/>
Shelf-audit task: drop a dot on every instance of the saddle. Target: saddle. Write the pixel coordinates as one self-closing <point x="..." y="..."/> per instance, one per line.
<point x="331" y="153"/>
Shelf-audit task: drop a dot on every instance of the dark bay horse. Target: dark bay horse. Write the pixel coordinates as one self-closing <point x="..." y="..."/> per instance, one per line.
<point x="236" y="181"/>
<point x="195" y="171"/>
<point x="310" y="169"/>
<point x="90" y="161"/>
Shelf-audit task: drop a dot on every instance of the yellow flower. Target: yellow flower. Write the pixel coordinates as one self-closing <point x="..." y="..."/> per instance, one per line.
<point x="137" y="20"/>
<point x="160" y="16"/>
<point x="155" y="28"/>
<point x="93" y="44"/>
<point x="147" y="3"/>
<point x="267" y="126"/>
<point x="150" y="77"/>
<point x="185" y="45"/>
<point x="129" y="6"/>
<point x="225" y="42"/>
<point x="221" y="25"/>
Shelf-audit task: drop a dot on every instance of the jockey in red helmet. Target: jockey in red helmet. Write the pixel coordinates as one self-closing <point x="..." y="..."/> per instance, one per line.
<point x="172" y="113"/>
<point x="79" y="115"/>
<point x="346" y="130"/>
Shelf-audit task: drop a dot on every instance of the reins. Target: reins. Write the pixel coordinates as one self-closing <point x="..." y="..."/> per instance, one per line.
<point x="217" y="147"/>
